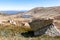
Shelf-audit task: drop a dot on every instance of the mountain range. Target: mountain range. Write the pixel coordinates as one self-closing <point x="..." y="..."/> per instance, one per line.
<point x="12" y="11"/>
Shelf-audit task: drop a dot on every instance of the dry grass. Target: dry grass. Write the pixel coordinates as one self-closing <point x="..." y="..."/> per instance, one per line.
<point x="13" y="32"/>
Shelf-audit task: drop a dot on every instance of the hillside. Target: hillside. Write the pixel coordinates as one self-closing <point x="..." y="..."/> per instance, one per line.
<point x="44" y="11"/>
<point x="14" y="26"/>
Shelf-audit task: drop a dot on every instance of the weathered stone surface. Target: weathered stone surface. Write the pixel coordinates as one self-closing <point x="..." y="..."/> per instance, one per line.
<point x="53" y="31"/>
<point x="39" y="23"/>
<point x="48" y="30"/>
<point x="44" y="26"/>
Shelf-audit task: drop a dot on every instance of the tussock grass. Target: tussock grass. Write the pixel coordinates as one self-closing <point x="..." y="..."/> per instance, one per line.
<point x="12" y="29"/>
<point x="13" y="32"/>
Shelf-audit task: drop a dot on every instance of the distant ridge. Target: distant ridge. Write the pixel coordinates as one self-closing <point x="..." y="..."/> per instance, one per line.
<point x="12" y="11"/>
<point x="43" y="10"/>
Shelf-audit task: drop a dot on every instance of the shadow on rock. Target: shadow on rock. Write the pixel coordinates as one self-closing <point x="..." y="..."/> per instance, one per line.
<point x="29" y="34"/>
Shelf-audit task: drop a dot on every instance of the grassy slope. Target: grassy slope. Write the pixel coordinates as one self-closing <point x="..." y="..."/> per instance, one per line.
<point x="13" y="32"/>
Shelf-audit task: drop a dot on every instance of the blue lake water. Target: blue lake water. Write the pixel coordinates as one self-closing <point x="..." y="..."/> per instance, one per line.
<point x="26" y="16"/>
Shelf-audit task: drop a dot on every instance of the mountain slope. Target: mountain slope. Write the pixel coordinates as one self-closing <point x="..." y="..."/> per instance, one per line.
<point x="44" y="11"/>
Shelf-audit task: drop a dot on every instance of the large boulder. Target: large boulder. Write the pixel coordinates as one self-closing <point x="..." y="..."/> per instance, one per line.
<point x="40" y="23"/>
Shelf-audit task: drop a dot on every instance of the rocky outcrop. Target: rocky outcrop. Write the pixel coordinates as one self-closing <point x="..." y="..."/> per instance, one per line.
<point x="50" y="30"/>
<point x="44" y="26"/>
<point x="53" y="31"/>
<point x="12" y="22"/>
<point x="40" y="23"/>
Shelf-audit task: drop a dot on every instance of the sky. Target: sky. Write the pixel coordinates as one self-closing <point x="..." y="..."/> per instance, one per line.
<point x="26" y="4"/>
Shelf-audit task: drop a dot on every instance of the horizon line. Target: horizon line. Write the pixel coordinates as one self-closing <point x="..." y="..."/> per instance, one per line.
<point x="26" y="9"/>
